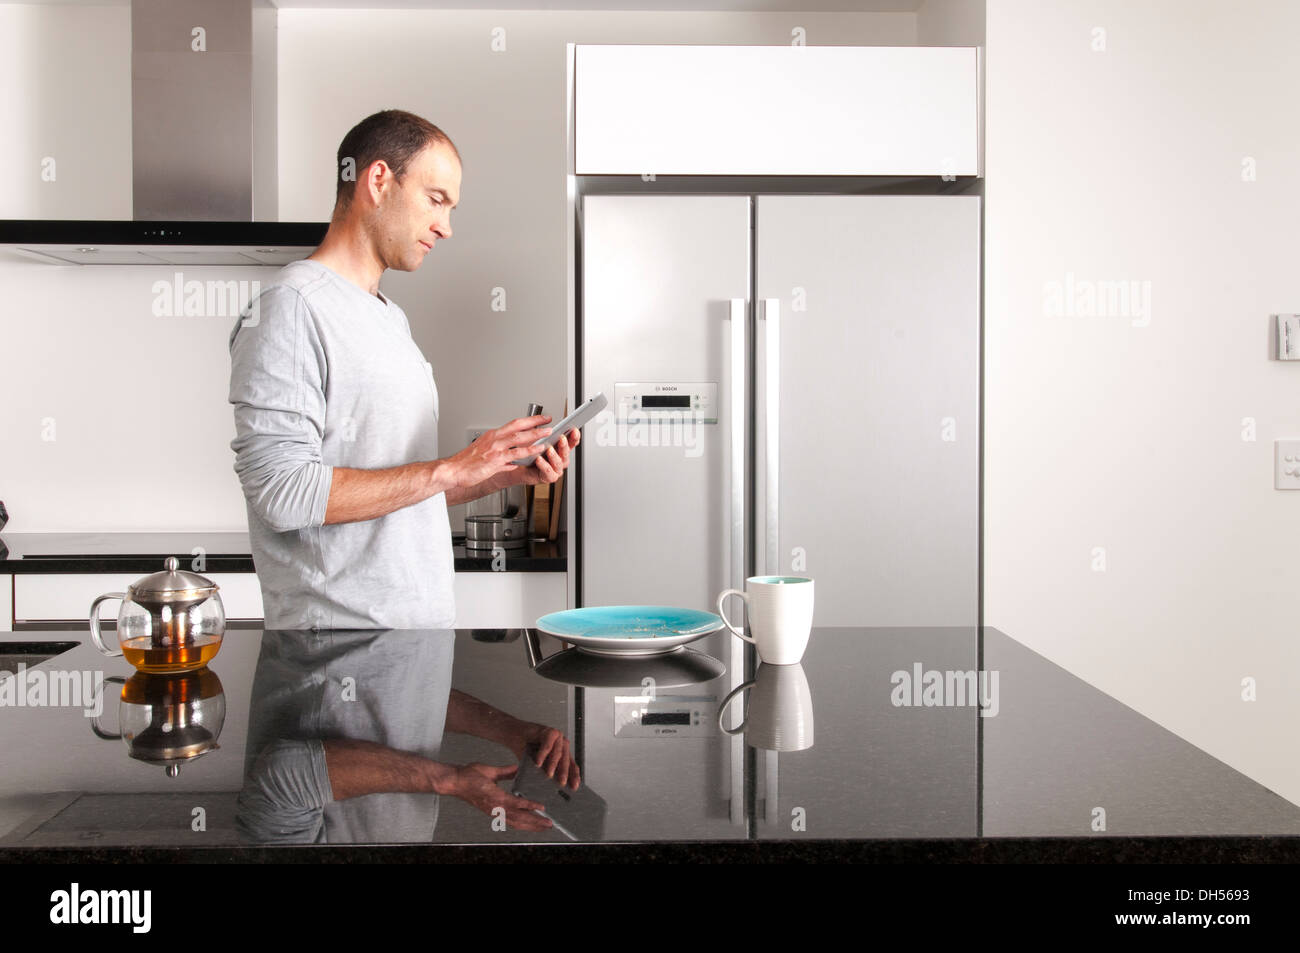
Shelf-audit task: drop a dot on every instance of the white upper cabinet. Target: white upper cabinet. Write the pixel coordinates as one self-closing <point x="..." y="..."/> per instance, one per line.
<point x="776" y="110"/>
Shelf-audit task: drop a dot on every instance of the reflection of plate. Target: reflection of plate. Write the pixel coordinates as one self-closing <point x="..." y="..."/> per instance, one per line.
<point x="676" y="668"/>
<point x="629" y="630"/>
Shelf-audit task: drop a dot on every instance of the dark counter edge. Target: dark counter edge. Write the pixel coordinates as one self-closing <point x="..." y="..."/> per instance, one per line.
<point x="1001" y="850"/>
<point x="243" y="562"/>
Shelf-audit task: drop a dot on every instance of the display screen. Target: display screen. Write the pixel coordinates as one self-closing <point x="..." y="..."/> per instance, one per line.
<point x="666" y="400"/>
<point x="666" y="718"/>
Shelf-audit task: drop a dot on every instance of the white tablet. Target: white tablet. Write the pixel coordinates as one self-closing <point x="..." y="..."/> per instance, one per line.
<point x="574" y="421"/>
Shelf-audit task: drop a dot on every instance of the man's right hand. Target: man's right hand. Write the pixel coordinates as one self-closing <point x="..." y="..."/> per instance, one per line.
<point x="494" y="450"/>
<point x="476" y="784"/>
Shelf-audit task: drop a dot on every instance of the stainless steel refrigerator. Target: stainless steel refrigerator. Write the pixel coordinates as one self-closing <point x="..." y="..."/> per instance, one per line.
<point x="794" y="389"/>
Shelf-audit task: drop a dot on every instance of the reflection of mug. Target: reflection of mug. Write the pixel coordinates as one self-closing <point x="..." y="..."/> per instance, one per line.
<point x="779" y="716"/>
<point x="780" y="616"/>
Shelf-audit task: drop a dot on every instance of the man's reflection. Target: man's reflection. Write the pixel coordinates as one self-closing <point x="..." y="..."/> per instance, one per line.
<point x="345" y="730"/>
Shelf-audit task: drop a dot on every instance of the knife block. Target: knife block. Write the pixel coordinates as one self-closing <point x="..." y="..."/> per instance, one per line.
<point x="544" y="504"/>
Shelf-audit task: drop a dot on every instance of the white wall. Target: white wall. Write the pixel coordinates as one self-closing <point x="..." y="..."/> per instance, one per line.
<point x="81" y="345"/>
<point x="1124" y="433"/>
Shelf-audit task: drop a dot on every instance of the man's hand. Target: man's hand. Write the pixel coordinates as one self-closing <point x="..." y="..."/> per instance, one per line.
<point x="548" y="467"/>
<point x="492" y="452"/>
<point x="476" y="784"/>
<point x="554" y="754"/>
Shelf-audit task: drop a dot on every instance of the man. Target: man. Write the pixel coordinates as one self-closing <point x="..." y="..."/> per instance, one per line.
<point x="336" y="409"/>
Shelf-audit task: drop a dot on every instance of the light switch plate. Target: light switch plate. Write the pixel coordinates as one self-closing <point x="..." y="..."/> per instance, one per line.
<point x="1288" y="337"/>
<point x="1286" y="464"/>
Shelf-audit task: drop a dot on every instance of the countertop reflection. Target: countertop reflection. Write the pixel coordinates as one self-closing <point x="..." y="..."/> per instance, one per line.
<point x="365" y="737"/>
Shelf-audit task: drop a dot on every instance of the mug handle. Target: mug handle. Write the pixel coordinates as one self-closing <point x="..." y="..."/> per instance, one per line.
<point x="94" y="622"/>
<point x="722" y="710"/>
<point x="94" y="722"/>
<point x="722" y="612"/>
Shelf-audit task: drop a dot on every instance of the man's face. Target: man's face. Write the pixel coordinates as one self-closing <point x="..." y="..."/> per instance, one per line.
<point x="415" y="212"/>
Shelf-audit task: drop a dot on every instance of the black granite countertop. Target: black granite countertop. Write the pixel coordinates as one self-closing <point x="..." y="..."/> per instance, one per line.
<point x="222" y="552"/>
<point x="886" y="755"/>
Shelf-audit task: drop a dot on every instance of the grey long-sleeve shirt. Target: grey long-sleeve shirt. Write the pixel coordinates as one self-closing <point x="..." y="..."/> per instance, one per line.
<point x="323" y="374"/>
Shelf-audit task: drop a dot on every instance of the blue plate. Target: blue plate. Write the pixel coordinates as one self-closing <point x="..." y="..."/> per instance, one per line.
<point x="629" y="630"/>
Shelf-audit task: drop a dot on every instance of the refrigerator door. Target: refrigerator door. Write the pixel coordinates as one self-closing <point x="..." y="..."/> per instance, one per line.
<point x="875" y="387"/>
<point x="665" y="286"/>
<point x="867" y="480"/>
<point x="659" y="275"/>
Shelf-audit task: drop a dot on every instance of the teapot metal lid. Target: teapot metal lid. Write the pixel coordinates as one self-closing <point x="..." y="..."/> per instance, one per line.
<point x="173" y="584"/>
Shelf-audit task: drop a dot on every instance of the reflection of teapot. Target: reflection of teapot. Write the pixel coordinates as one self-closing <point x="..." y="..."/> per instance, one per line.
<point x="168" y="720"/>
<point x="172" y="621"/>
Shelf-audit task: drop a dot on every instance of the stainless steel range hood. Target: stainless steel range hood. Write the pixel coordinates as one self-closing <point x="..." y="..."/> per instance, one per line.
<point x="203" y="116"/>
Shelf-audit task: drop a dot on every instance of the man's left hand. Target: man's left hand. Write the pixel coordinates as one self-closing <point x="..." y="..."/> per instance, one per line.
<point x="548" y="467"/>
<point x="554" y="754"/>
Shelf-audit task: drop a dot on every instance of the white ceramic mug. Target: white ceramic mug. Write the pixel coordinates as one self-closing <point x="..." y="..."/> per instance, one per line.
<point x="780" y="612"/>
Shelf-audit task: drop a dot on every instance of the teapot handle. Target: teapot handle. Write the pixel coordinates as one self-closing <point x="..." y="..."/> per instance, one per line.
<point x="94" y="722"/>
<point x="94" y="622"/>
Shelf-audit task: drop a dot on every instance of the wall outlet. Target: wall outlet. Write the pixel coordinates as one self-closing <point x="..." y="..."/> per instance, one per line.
<point x="1286" y="464"/>
<point x="1288" y="337"/>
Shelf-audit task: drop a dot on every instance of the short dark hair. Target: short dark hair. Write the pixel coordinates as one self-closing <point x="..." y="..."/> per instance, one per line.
<point x="393" y="135"/>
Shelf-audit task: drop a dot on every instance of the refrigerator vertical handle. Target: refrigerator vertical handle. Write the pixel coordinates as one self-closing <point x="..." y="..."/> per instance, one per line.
<point x="736" y="489"/>
<point x="771" y="314"/>
<point x="736" y="535"/>
<point x="771" y="789"/>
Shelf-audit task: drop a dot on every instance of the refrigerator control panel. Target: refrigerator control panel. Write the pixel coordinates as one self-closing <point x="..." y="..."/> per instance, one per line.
<point x="667" y="402"/>
<point x="668" y="716"/>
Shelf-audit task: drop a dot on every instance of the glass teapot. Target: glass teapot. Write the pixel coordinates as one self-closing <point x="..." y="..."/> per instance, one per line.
<point x="172" y="621"/>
